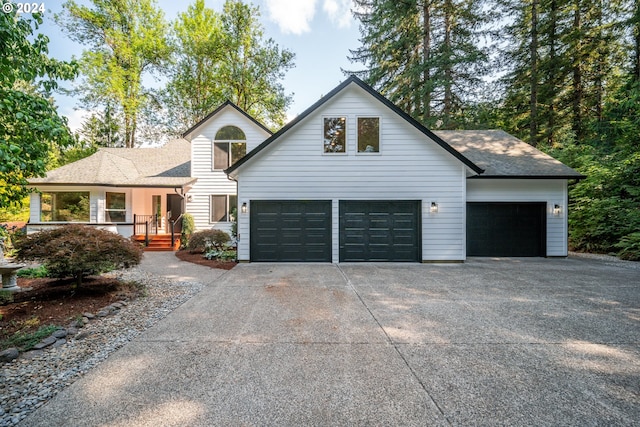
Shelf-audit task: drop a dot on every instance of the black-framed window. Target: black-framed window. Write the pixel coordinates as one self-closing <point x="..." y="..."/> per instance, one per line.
<point x="69" y="206"/>
<point x="335" y="134"/>
<point x="368" y="134"/>
<point x="229" y="146"/>
<point x="222" y="206"/>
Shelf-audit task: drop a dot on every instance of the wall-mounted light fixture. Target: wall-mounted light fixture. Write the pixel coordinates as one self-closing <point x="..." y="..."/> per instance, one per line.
<point x="243" y="208"/>
<point x="556" y="210"/>
<point x="434" y="207"/>
<point x="189" y="198"/>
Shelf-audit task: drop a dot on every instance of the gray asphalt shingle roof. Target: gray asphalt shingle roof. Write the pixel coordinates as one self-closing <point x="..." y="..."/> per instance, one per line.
<point x="502" y="155"/>
<point x="166" y="166"/>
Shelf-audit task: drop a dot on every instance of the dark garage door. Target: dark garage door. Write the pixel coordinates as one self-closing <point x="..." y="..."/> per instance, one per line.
<point x="290" y="230"/>
<point x="379" y="230"/>
<point x="506" y="229"/>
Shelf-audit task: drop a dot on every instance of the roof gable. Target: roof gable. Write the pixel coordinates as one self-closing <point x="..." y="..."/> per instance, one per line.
<point x="190" y="132"/>
<point x="355" y="80"/>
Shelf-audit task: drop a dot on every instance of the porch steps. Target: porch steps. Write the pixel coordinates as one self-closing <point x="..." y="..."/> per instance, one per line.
<point x="159" y="242"/>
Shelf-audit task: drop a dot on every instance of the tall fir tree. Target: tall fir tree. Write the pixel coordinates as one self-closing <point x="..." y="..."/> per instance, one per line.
<point x="423" y="55"/>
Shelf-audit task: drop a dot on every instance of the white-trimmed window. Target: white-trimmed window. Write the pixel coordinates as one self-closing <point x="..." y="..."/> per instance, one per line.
<point x="115" y="207"/>
<point x="67" y="206"/>
<point x="221" y="207"/>
<point x="334" y="135"/>
<point x="229" y="146"/>
<point x="368" y="134"/>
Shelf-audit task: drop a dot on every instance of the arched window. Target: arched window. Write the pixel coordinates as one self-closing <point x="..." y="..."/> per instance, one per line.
<point x="229" y="146"/>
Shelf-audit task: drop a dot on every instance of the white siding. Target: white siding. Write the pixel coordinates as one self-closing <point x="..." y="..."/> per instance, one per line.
<point x="215" y="181"/>
<point x="550" y="191"/>
<point x="409" y="167"/>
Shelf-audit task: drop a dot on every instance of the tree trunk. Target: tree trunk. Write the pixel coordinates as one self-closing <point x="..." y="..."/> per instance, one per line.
<point x="533" y="101"/>
<point x="426" y="57"/>
<point x="447" y="107"/>
<point x="578" y="90"/>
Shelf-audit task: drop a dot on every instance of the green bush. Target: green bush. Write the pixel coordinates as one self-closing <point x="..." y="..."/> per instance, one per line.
<point x="221" y="254"/>
<point x="629" y="247"/>
<point x="78" y="251"/>
<point x="207" y="240"/>
<point x="34" y="273"/>
<point x="188" y="226"/>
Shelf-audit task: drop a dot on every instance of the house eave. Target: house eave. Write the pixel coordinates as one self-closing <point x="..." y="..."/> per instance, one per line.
<point x="186" y="135"/>
<point x="576" y="177"/>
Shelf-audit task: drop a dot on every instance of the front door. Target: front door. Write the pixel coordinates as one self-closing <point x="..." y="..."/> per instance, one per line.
<point x="174" y="209"/>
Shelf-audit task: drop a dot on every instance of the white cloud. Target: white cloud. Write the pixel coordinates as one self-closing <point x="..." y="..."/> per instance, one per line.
<point x="75" y="117"/>
<point x="339" y="11"/>
<point x="292" y="16"/>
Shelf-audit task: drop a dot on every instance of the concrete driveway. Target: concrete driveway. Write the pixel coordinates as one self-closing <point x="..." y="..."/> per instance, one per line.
<point x="489" y="342"/>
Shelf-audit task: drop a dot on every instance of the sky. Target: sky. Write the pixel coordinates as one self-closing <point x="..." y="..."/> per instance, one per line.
<point x="319" y="32"/>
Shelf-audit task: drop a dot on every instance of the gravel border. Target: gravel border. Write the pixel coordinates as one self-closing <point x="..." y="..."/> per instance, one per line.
<point x="609" y="259"/>
<point x="29" y="382"/>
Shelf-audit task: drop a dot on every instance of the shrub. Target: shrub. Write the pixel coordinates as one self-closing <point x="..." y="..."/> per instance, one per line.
<point x="188" y="225"/>
<point x="205" y="240"/>
<point x="78" y="251"/>
<point x="225" y="254"/>
<point x="629" y="247"/>
<point x="34" y="273"/>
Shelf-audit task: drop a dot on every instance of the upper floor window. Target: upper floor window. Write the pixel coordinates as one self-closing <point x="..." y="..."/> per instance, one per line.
<point x="335" y="134"/>
<point x="368" y="135"/>
<point x="229" y="146"/>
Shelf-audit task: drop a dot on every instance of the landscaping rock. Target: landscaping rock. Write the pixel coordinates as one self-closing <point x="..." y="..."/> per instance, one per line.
<point x="102" y="313"/>
<point x="88" y="315"/>
<point x="31" y="354"/>
<point x="9" y="354"/>
<point x="44" y="343"/>
<point x="60" y="333"/>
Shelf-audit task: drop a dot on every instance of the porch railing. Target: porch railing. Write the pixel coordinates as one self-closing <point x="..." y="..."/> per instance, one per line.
<point x="145" y="225"/>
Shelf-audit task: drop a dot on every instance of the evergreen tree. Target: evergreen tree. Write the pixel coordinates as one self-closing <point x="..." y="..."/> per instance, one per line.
<point x="423" y="55"/>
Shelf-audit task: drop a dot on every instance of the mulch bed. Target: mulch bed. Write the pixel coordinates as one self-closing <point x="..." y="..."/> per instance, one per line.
<point x="197" y="258"/>
<point x="58" y="302"/>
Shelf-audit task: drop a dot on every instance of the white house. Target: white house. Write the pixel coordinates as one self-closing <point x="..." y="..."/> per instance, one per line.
<point x="353" y="178"/>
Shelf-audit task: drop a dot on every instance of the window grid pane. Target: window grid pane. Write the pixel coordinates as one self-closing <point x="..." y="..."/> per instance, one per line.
<point x="368" y="135"/>
<point x="218" y="208"/>
<point x="335" y="135"/>
<point x="220" y="155"/>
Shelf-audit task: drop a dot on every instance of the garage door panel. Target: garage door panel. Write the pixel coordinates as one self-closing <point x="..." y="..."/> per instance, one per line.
<point x="379" y="230"/>
<point x="506" y="229"/>
<point x="289" y="230"/>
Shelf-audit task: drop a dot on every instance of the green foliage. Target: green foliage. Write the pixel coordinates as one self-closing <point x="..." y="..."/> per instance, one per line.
<point x="6" y="297"/>
<point x="34" y="273"/>
<point x="29" y="122"/>
<point x="224" y="254"/>
<point x="188" y="226"/>
<point x="225" y="56"/>
<point x="206" y="240"/>
<point x="126" y="38"/>
<point x="234" y="223"/>
<point x="25" y="340"/>
<point x="425" y="56"/>
<point x="78" y="251"/>
<point x="8" y="235"/>
<point x="629" y="247"/>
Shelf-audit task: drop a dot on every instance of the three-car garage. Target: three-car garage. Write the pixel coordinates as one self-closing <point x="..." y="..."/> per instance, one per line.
<point x="386" y="230"/>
